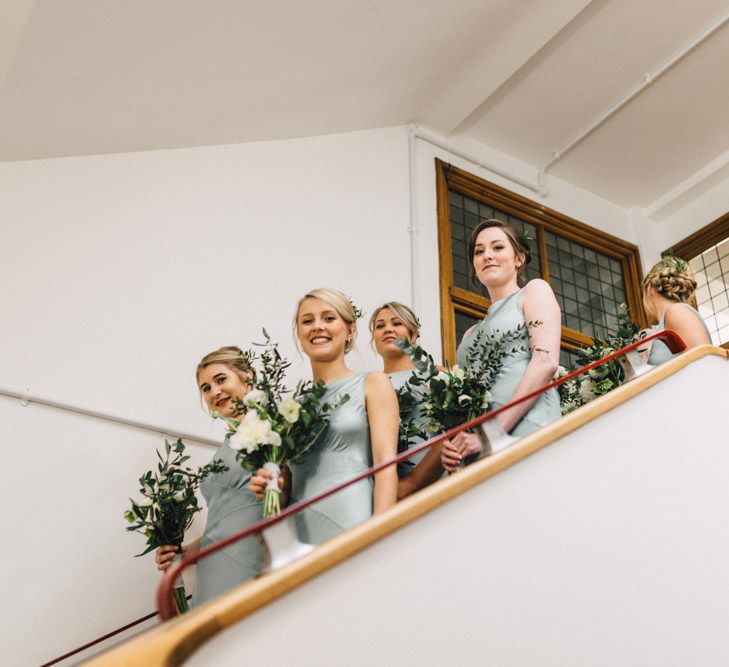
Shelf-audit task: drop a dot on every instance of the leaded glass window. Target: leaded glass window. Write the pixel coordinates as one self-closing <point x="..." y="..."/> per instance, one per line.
<point x="712" y="292"/>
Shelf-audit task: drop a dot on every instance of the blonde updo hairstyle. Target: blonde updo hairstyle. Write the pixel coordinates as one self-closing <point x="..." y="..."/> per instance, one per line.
<point x="404" y="313"/>
<point x="673" y="278"/>
<point x="232" y="357"/>
<point x="337" y="302"/>
<point x="520" y="248"/>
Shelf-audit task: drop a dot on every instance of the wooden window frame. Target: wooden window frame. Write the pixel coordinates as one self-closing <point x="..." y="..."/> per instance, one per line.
<point x="706" y="237"/>
<point x="454" y="298"/>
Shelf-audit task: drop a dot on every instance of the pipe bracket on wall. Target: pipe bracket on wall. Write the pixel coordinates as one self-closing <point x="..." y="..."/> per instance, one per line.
<point x="25" y="398"/>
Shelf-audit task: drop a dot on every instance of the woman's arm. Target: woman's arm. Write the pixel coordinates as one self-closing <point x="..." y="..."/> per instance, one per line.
<point x="538" y="304"/>
<point x="685" y="323"/>
<point x="383" y="415"/>
<point x="426" y="472"/>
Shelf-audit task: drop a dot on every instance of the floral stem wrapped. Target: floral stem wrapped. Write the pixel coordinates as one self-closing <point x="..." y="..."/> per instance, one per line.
<point x="169" y="503"/>
<point x="270" y="429"/>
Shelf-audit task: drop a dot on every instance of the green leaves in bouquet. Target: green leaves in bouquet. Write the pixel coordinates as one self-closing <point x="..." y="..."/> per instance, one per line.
<point x="456" y="395"/>
<point x="168" y="502"/>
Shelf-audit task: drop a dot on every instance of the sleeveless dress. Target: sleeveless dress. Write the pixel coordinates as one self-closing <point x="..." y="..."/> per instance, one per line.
<point x="660" y="353"/>
<point x="398" y="380"/>
<point x="505" y="315"/>
<point x="231" y="508"/>
<point x="342" y="452"/>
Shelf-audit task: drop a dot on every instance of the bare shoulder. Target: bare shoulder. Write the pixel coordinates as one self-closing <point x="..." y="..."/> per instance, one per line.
<point x="377" y="380"/>
<point x="536" y="288"/>
<point x="677" y="314"/>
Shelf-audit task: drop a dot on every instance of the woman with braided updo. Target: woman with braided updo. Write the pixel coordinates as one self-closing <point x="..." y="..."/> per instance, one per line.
<point x="670" y="303"/>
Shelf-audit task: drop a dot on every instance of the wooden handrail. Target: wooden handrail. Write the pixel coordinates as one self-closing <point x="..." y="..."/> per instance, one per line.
<point x="165" y="602"/>
<point x="172" y="642"/>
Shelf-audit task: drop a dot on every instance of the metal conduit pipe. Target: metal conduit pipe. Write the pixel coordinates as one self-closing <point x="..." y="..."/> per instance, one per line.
<point x="419" y="133"/>
<point x="636" y="90"/>
<point x="26" y="399"/>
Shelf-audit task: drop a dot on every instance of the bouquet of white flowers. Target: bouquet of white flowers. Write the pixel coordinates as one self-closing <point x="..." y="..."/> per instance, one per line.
<point x="169" y="503"/>
<point x="604" y="378"/>
<point x="456" y="395"/>
<point x="271" y="430"/>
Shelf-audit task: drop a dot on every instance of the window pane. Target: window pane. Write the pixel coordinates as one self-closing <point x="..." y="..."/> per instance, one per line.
<point x="711" y="268"/>
<point x="463" y="323"/>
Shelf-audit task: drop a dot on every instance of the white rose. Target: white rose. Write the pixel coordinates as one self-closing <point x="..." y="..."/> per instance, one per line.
<point x="586" y="389"/>
<point x="289" y="409"/>
<point x="255" y="397"/>
<point x="463" y="399"/>
<point x="486" y="401"/>
<point x="559" y="373"/>
<point x="458" y="372"/>
<point x="442" y="375"/>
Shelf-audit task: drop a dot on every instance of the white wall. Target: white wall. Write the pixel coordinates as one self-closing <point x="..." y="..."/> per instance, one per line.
<point x="118" y="273"/>
<point x="700" y="211"/>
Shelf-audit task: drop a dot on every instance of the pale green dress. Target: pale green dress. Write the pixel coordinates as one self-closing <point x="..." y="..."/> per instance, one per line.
<point x="660" y="353"/>
<point x="506" y="315"/>
<point x="342" y="452"/>
<point x="398" y="380"/>
<point x="231" y="509"/>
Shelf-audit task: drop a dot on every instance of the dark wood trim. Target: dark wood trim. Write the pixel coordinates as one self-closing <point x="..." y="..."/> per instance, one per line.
<point x="454" y="298"/>
<point x="708" y="236"/>
<point x="445" y="253"/>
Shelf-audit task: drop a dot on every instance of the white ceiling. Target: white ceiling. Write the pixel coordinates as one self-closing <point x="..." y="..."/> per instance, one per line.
<point x="84" y="77"/>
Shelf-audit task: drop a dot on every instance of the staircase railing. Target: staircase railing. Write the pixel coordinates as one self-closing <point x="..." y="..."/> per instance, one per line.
<point x="628" y="357"/>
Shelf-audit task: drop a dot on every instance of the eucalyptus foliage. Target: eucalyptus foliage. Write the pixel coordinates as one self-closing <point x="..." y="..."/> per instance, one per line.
<point x="168" y="502"/>
<point x="604" y="378"/>
<point x="270" y="427"/>
<point x="456" y="395"/>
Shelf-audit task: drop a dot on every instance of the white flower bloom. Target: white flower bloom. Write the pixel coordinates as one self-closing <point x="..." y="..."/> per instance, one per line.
<point x="463" y="399"/>
<point x="486" y="401"/>
<point x="458" y="372"/>
<point x="180" y="496"/>
<point x="559" y="373"/>
<point x="607" y="350"/>
<point x="442" y="375"/>
<point x="586" y="388"/>
<point x="255" y="397"/>
<point x="289" y="409"/>
<point x="145" y="502"/>
<point x="252" y="433"/>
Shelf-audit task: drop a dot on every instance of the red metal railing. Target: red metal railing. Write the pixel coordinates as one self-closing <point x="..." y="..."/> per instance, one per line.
<point x="164" y="592"/>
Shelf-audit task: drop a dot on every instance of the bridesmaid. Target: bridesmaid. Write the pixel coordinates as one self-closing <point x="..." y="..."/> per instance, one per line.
<point x="389" y="322"/>
<point x="361" y="432"/>
<point x="670" y="303"/>
<point x="222" y="376"/>
<point x="498" y="261"/>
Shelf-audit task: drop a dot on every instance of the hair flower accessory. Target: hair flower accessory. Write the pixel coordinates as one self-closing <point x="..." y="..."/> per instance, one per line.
<point x="357" y="312"/>
<point x="524" y="237"/>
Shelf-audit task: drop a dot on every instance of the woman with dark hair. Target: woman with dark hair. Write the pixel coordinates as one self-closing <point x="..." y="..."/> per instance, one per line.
<point x="498" y="259"/>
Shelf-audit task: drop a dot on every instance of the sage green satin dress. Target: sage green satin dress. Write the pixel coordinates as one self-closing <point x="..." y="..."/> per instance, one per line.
<point x="231" y="508"/>
<point x="506" y="315"/>
<point x="398" y="380"/>
<point x="660" y="353"/>
<point x="343" y="451"/>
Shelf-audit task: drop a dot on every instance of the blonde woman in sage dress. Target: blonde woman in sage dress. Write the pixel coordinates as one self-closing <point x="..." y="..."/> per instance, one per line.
<point x="222" y="376"/>
<point x="361" y="432"/>
<point x="670" y="303"/>
<point x="498" y="260"/>
<point x="389" y="322"/>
